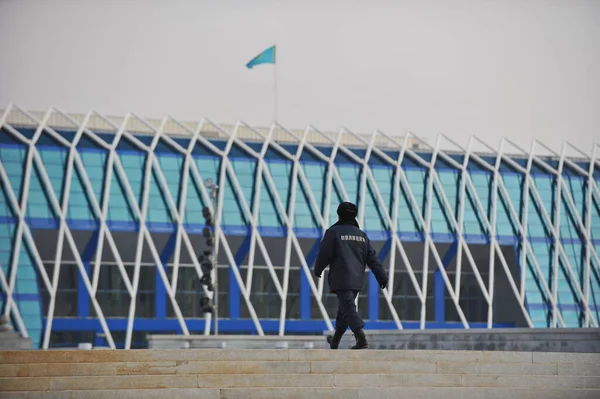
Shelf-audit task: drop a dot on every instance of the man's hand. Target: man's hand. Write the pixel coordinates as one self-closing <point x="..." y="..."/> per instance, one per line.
<point x="383" y="284"/>
<point x="316" y="274"/>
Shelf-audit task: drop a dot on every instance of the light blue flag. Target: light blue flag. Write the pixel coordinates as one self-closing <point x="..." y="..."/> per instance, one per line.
<point x="266" y="57"/>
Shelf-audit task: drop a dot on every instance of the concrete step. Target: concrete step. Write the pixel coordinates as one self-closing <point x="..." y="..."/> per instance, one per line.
<point x="295" y="380"/>
<point x="294" y="367"/>
<point x="223" y="373"/>
<point x="316" y="367"/>
<point x="100" y="356"/>
<point x="311" y="393"/>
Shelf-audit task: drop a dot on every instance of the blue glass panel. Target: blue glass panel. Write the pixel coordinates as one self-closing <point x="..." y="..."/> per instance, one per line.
<point x="6" y="210"/>
<point x="473" y="223"/>
<point x="268" y="214"/>
<point x="334" y="201"/>
<point x="94" y="162"/>
<point x="507" y="222"/>
<point x="281" y="173"/>
<point x="232" y="212"/>
<point x="134" y="164"/>
<point x="38" y="203"/>
<point x="27" y="284"/>
<point x="119" y="208"/>
<point x="54" y="160"/>
<point x="316" y="174"/>
<point x="569" y="227"/>
<point x="384" y="178"/>
<point x="594" y="299"/>
<point x="13" y="158"/>
<point x="208" y="168"/>
<point x="546" y="189"/>
<point x="245" y="171"/>
<point x="158" y="209"/>
<point x="304" y="217"/>
<point x="374" y="219"/>
<point x="6" y="239"/>
<point x="79" y="208"/>
<point x="171" y="166"/>
<point x="595" y="214"/>
<point x="408" y="221"/>
<point x="193" y="204"/>
<point x="536" y="224"/>
<point x="440" y="218"/>
<point x="576" y="185"/>
<point x="350" y="175"/>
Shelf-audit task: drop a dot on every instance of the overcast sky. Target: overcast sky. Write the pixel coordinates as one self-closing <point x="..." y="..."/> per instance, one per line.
<point x="519" y="69"/>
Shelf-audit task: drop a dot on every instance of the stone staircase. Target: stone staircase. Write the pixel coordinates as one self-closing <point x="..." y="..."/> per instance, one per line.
<point x="264" y="374"/>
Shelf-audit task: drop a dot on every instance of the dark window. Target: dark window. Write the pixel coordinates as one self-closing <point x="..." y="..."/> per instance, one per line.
<point x="405" y="300"/>
<point x="112" y="295"/>
<point x="264" y="296"/>
<point x="144" y="306"/>
<point x="66" y="293"/>
<point x="189" y="292"/>
<point x="471" y="301"/>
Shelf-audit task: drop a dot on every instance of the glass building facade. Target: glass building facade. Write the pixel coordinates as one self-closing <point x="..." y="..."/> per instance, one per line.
<point x="101" y="228"/>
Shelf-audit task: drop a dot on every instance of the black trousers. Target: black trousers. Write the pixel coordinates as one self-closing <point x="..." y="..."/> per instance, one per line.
<point x="347" y="315"/>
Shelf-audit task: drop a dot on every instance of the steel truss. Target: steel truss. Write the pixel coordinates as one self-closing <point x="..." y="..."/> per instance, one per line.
<point x="499" y="191"/>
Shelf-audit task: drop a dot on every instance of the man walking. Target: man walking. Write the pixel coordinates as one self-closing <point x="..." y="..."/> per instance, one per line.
<point x="347" y="249"/>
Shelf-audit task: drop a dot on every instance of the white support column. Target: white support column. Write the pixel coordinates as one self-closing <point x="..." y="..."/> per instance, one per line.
<point x="461" y="217"/>
<point x="288" y="241"/>
<point x="588" y="227"/>
<point x="493" y="242"/>
<point x="255" y="208"/>
<point x="525" y="222"/>
<point x="556" y="238"/>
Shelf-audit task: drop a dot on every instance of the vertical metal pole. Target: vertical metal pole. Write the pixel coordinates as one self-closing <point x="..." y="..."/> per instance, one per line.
<point x="213" y="195"/>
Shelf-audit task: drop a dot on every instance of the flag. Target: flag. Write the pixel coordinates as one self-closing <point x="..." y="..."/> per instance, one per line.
<point x="266" y="57"/>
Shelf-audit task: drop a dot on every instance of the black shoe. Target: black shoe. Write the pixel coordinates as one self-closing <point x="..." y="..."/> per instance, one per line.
<point x="361" y="340"/>
<point x="334" y="340"/>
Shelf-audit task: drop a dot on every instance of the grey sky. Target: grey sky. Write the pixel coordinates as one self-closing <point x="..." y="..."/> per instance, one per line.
<point x="519" y="69"/>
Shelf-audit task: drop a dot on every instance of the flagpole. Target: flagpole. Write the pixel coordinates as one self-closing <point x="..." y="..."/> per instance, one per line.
<point x="275" y="85"/>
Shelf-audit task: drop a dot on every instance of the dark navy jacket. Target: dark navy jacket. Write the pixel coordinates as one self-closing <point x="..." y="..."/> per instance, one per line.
<point x="347" y="249"/>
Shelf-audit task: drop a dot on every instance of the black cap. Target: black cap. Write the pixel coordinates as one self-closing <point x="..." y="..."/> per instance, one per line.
<point x="347" y="210"/>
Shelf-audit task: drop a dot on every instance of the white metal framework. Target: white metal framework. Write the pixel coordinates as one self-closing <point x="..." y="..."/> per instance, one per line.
<point x="582" y="285"/>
